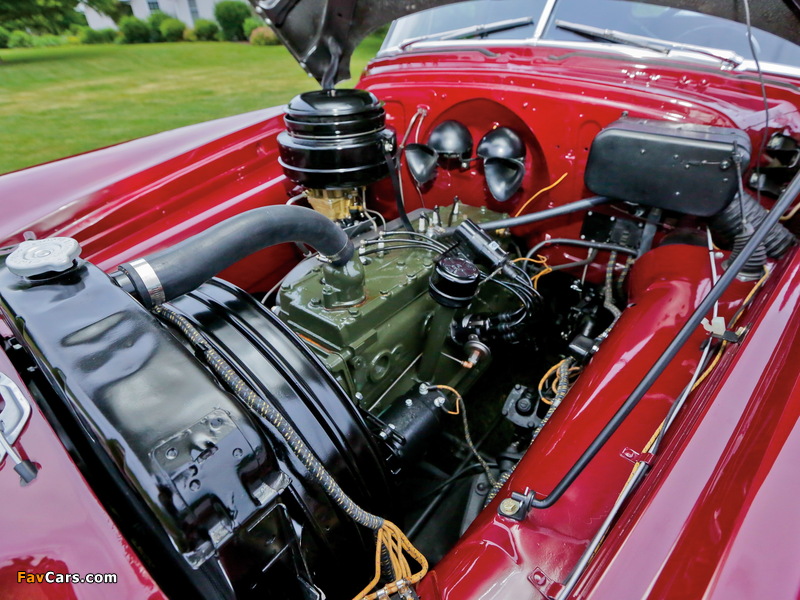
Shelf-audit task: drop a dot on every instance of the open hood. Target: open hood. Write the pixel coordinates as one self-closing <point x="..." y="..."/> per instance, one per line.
<point x="322" y="34"/>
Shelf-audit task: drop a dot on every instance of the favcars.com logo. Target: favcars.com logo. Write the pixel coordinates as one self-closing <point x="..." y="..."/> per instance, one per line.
<point x="54" y="577"/>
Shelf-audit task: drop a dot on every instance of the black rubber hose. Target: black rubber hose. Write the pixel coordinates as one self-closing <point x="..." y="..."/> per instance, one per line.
<point x="727" y="226"/>
<point x="174" y="271"/>
<point x="762" y="231"/>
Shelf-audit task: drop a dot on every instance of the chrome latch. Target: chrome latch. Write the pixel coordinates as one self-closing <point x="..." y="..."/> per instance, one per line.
<point x="13" y="417"/>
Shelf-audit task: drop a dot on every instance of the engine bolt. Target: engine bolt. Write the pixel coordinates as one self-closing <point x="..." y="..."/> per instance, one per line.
<point x="409" y="402"/>
<point x="509" y="507"/>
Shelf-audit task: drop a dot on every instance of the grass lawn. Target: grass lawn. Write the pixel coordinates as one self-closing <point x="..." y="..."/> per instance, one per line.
<point x="55" y="102"/>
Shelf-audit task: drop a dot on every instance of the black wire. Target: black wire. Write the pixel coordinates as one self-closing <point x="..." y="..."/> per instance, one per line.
<point x="763" y="147"/>
<point x="400" y="247"/>
<point x="394" y="175"/>
<point x="412" y="240"/>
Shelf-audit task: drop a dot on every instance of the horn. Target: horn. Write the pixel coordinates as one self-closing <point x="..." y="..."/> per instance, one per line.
<point x="451" y="140"/>
<point x="503" y="176"/>
<point x="421" y="161"/>
<point x="501" y="143"/>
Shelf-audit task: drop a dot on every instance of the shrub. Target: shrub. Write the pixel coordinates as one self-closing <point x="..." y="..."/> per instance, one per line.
<point x="134" y="31"/>
<point x="97" y="36"/>
<point x="251" y="23"/>
<point x="263" y="36"/>
<point x="230" y="15"/>
<point x="20" y="39"/>
<point x="4" y="35"/>
<point x="154" y="21"/>
<point x="172" y="30"/>
<point x="48" y="40"/>
<point x="206" y="30"/>
<point x="189" y="35"/>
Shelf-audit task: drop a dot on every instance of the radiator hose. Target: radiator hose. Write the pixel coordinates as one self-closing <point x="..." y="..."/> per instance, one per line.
<point x="172" y="272"/>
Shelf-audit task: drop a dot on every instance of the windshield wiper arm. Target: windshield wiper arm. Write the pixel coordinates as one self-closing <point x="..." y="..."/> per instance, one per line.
<point x="471" y="31"/>
<point x="641" y="41"/>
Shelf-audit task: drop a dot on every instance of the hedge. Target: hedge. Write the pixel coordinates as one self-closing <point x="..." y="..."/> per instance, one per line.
<point x="205" y="30"/>
<point x="231" y="15"/>
<point x="20" y="39"/>
<point x="263" y="36"/>
<point x="172" y="30"/>
<point x="134" y="31"/>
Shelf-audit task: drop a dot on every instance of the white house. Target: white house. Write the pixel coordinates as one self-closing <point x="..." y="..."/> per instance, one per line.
<point x="187" y="11"/>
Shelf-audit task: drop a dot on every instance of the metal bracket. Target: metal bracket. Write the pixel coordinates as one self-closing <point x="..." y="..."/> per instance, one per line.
<point x="544" y="585"/>
<point x="517" y="506"/>
<point x="716" y="327"/>
<point x="638" y="457"/>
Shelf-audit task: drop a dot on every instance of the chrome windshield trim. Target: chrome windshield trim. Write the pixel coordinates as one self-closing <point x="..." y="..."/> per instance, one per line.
<point x="630" y="51"/>
<point x="544" y="18"/>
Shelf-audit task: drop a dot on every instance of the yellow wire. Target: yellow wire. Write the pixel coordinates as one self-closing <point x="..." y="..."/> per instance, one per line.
<point x="543" y="381"/>
<point x="710" y="367"/>
<point x="538" y="261"/>
<point x="547" y="269"/>
<point x="453" y="391"/>
<point x="397" y="546"/>
<point x="540" y="192"/>
<point x="791" y="213"/>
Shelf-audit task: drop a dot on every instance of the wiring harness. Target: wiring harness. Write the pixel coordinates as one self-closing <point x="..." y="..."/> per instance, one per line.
<point x="391" y="541"/>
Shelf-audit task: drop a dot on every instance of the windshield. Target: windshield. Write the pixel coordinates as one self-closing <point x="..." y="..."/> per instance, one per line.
<point x="671" y="24"/>
<point x="465" y="14"/>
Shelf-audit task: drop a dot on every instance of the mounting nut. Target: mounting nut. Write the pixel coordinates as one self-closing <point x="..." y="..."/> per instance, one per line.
<point x="509" y="507"/>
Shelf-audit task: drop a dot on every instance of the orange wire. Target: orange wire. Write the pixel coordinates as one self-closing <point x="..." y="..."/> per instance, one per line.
<point x="455" y="393"/>
<point x="540" y="192"/>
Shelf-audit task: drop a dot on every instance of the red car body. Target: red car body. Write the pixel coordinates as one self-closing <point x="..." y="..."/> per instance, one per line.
<point x="716" y="516"/>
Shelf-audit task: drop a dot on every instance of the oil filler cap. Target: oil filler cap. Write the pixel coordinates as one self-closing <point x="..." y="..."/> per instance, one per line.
<point x="33" y="258"/>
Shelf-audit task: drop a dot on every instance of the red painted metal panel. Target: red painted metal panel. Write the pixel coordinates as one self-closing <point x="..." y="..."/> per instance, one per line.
<point x="57" y="524"/>
<point x="718" y="513"/>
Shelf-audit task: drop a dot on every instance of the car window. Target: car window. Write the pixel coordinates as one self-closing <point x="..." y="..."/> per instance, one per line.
<point x="465" y="14"/>
<point x="672" y="24"/>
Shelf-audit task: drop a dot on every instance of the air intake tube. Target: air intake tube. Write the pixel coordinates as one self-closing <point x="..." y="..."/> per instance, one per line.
<point x="172" y="272"/>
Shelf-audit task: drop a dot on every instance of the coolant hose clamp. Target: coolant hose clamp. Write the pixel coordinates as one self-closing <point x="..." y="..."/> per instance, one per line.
<point x="155" y="290"/>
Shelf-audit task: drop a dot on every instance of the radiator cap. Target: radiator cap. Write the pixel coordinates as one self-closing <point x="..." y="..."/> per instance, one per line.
<point x="33" y="258"/>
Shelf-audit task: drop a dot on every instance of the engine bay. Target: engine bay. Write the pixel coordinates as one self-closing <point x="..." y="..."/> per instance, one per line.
<point x="391" y="382"/>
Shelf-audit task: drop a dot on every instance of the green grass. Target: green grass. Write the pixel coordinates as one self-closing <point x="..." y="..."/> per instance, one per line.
<point x="55" y="102"/>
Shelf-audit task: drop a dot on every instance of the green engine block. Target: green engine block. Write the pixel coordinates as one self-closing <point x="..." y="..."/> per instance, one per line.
<point x="374" y="349"/>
